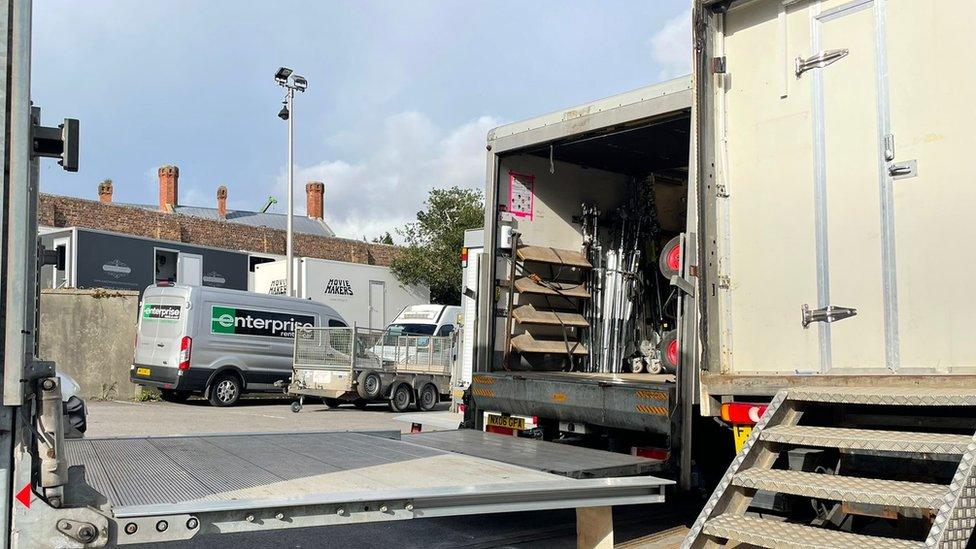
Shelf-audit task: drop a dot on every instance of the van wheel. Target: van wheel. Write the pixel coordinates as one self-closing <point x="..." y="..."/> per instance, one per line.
<point x="400" y="399"/>
<point x="369" y="385"/>
<point x="170" y="395"/>
<point x="225" y="390"/>
<point x="428" y="398"/>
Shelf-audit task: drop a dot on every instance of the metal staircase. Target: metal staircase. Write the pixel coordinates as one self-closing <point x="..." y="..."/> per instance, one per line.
<point x="883" y="474"/>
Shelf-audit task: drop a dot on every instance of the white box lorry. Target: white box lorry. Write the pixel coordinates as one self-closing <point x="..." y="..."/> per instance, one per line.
<point x="369" y="296"/>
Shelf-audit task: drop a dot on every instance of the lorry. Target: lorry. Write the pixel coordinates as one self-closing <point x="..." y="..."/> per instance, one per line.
<point x="59" y="490"/>
<point x="219" y="343"/>
<point x="760" y="234"/>
<point x="369" y="296"/>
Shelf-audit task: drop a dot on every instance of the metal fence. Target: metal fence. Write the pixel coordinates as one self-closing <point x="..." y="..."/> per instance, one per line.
<point x="360" y="348"/>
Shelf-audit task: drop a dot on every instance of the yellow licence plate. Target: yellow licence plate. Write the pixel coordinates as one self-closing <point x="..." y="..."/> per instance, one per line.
<point x="143" y="371"/>
<point x="507" y="422"/>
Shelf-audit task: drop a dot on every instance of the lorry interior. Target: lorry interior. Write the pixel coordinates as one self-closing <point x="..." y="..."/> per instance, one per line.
<point x="596" y="251"/>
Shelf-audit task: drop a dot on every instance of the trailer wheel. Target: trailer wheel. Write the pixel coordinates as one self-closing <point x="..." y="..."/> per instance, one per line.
<point x="331" y="402"/>
<point x="428" y="398"/>
<point x="669" y="351"/>
<point x="400" y="398"/>
<point x="296" y="406"/>
<point x="360" y="403"/>
<point x="670" y="260"/>
<point x="369" y="386"/>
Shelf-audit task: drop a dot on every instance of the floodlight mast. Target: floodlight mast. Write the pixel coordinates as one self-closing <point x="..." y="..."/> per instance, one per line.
<point x="286" y="78"/>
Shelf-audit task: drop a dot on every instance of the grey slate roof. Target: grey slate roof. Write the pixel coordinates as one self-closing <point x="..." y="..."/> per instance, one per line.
<point x="302" y="224"/>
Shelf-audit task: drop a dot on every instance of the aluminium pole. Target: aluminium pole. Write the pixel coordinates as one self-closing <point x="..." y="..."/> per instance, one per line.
<point x="291" y="196"/>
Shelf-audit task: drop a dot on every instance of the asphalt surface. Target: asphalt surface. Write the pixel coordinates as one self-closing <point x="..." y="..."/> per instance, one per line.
<point x="653" y="526"/>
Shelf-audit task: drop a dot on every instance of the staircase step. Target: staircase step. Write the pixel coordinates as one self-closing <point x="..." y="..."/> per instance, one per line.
<point x="915" y="495"/>
<point x="867" y="439"/>
<point x="527" y="314"/>
<point x="892" y="396"/>
<point x="526" y="285"/>
<point x="554" y="256"/>
<point x="525" y="343"/>
<point x="776" y="534"/>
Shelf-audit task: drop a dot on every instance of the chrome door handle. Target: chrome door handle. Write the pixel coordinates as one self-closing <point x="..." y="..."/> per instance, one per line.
<point x="819" y="60"/>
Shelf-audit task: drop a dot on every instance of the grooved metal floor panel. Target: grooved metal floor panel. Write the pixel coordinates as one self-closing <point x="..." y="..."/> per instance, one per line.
<point x="837" y="487"/>
<point x="176" y="471"/>
<point x="551" y="457"/>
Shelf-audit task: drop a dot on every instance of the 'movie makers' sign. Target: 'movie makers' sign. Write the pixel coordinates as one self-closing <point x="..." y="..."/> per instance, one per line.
<point x="231" y="320"/>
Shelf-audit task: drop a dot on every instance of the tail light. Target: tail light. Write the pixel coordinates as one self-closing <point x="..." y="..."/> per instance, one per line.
<point x="186" y="345"/>
<point x="742" y="413"/>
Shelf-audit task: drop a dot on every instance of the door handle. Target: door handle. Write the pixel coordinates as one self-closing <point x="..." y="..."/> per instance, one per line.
<point x="819" y="60"/>
<point x="901" y="170"/>
<point x="828" y="314"/>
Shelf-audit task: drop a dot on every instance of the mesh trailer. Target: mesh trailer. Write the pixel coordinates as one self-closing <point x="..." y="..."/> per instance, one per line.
<point x="361" y="365"/>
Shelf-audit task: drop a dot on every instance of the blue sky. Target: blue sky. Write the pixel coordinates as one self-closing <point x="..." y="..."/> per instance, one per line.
<point x="400" y="98"/>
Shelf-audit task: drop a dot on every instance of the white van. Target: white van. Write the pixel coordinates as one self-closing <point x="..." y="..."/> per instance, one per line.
<point x="217" y="342"/>
<point x="435" y="320"/>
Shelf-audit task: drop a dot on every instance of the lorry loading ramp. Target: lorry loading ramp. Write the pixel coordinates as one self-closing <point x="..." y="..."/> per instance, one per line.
<point x="864" y="459"/>
<point x="173" y="488"/>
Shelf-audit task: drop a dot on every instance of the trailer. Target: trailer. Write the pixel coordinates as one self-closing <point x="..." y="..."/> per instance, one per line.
<point x="359" y="366"/>
<point x="783" y="200"/>
<point x="367" y="295"/>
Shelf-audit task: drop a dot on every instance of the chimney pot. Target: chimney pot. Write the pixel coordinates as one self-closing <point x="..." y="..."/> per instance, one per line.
<point x="314" y="199"/>
<point x="105" y="191"/>
<point x="169" y="180"/>
<point x="222" y="202"/>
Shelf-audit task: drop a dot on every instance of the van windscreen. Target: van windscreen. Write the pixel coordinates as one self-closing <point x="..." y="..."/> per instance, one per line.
<point x="411" y="329"/>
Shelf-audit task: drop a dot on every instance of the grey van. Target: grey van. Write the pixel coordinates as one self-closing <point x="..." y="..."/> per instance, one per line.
<point x="217" y="342"/>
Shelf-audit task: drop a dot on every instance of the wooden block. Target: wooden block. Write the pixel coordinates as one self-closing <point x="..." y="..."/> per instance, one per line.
<point x="525" y="343"/>
<point x="594" y="528"/>
<point x="554" y="256"/>
<point x="526" y="285"/>
<point x="527" y="314"/>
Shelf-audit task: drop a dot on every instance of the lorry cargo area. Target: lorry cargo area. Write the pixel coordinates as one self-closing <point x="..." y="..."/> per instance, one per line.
<point x="588" y="236"/>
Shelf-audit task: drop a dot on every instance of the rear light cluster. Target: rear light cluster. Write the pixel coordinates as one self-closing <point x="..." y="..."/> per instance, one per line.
<point x="742" y="413"/>
<point x="186" y="346"/>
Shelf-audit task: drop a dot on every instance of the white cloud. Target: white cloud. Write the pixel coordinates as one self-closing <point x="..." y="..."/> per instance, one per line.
<point x="671" y="46"/>
<point x="410" y="156"/>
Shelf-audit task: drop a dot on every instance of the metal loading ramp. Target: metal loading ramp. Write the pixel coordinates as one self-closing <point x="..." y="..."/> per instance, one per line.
<point x="239" y="483"/>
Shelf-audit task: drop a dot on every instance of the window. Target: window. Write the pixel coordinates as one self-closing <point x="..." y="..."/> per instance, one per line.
<point x="253" y="261"/>
<point x="333" y="323"/>
<point x="445" y="330"/>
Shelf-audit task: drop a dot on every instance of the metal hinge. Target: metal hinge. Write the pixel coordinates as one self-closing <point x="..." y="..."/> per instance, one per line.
<point x="819" y="60"/>
<point x="718" y="65"/>
<point x="724" y="282"/>
<point x="721" y="191"/>
<point x="828" y="314"/>
<point x="903" y="170"/>
<point x="889" y="147"/>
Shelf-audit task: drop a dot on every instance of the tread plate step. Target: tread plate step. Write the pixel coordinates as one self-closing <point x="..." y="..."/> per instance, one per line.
<point x="775" y="534"/>
<point x="916" y="495"/>
<point x="554" y="256"/>
<point x="891" y="396"/>
<point x="867" y="439"/>
<point x="525" y="343"/>
<point x="526" y="285"/>
<point x="527" y="314"/>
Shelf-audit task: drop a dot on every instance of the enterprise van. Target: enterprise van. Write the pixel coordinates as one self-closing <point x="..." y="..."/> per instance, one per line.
<point x="219" y="343"/>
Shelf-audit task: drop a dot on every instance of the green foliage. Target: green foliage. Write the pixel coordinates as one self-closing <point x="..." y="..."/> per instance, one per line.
<point x="433" y="243"/>
<point x="147" y="394"/>
<point x="385" y="239"/>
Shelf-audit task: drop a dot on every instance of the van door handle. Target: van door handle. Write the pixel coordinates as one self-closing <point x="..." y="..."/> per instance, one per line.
<point x="160" y="345"/>
<point x="819" y="60"/>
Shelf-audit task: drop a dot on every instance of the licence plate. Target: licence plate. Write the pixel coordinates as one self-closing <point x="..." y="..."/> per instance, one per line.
<point x="507" y="422"/>
<point x="143" y="371"/>
<point x="741" y="434"/>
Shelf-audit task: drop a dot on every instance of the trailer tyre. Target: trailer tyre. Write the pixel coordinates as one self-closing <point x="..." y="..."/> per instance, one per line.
<point x="428" y="398"/>
<point x="670" y="260"/>
<point x="360" y="404"/>
<point x="225" y="390"/>
<point x="331" y="402"/>
<point x="670" y="355"/>
<point x="369" y="386"/>
<point x="400" y="398"/>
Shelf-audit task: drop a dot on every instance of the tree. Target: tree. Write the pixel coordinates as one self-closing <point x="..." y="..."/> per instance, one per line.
<point x="385" y="239"/>
<point x="432" y="255"/>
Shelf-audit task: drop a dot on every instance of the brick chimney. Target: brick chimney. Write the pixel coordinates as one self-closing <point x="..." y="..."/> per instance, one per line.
<point x="169" y="193"/>
<point x="105" y="191"/>
<point x="314" y="195"/>
<point x="222" y="202"/>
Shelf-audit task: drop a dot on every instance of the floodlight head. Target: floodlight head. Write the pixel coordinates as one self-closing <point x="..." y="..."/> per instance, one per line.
<point x="300" y="83"/>
<point x="282" y="75"/>
<point x="283" y="113"/>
